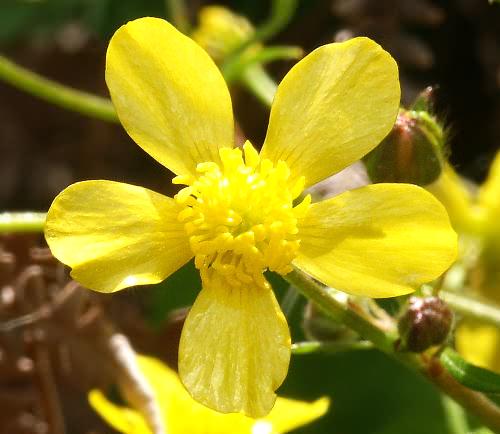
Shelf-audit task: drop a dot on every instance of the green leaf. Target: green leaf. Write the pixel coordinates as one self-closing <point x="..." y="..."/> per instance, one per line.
<point x="469" y="375"/>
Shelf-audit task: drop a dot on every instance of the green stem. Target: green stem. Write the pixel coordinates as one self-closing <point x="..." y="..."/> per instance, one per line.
<point x="289" y="301"/>
<point x="456" y="418"/>
<point x="55" y="93"/>
<point x="471" y="308"/>
<point x="178" y="15"/>
<point x="281" y="14"/>
<point x="262" y="56"/>
<point x="257" y="81"/>
<point x="22" y="222"/>
<point x="329" y="347"/>
<point x="324" y="299"/>
<point x="475" y="402"/>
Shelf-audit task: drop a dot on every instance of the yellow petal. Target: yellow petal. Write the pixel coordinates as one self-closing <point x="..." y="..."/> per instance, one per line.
<point x="289" y="414"/>
<point x="454" y="195"/>
<point x="479" y="344"/>
<point x="116" y="235"/>
<point x="122" y="419"/>
<point x="182" y="414"/>
<point x="235" y="348"/>
<point x="332" y="108"/>
<point x="382" y="240"/>
<point x="168" y="94"/>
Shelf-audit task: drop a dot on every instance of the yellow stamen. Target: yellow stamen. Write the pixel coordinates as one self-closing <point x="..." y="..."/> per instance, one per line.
<point x="240" y="216"/>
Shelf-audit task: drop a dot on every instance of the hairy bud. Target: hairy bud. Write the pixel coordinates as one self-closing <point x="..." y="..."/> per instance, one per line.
<point x="425" y="323"/>
<point x="413" y="152"/>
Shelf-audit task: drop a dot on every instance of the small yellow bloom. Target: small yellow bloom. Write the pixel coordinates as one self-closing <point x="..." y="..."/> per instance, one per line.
<point x="479" y="343"/>
<point x="181" y="414"/>
<point x="237" y="214"/>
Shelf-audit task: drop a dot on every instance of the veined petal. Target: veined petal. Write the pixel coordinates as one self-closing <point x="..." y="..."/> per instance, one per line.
<point x="333" y="107"/>
<point x="235" y="348"/>
<point x="116" y="235"/>
<point x="169" y="95"/>
<point x="382" y="240"/>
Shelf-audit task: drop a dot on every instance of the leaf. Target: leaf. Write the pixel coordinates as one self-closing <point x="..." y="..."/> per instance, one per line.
<point x="469" y="375"/>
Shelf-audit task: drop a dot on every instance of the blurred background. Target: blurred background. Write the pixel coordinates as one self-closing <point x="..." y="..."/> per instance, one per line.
<point x="453" y="44"/>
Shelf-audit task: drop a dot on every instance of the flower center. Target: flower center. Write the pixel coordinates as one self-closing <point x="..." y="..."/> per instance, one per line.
<point x="240" y="216"/>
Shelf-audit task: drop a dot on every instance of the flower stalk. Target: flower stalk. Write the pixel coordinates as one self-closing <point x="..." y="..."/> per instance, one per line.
<point x="11" y="222"/>
<point x="56" y="93"/>
<point x="178" y="14"/>
<point x="281" y="13"/>
<point x="322" y="296"/>
<point x="470" y="307"/>
<point x="258" y="81"/>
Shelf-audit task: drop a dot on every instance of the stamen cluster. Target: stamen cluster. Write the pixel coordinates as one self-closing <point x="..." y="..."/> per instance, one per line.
<point x="240" y="216"/>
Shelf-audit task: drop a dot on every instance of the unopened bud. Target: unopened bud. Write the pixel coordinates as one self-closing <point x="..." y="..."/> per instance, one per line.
<point x="413" y="152"/>
<point x="220" y="31"/>
<point x="426" y="323"/>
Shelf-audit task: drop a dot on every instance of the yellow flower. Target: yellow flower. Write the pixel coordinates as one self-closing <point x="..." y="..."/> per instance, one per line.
<point x="181" y="414"/>
<point x="479" y="343"/>
<point x="237" y="214"/>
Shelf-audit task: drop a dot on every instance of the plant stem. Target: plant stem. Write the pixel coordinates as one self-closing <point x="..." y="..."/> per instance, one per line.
<point x="456" y="418"/>
<point x="178" y="16"/>
<point x="22" y="222"/>
<point x="475" y="402"/>
<point x="323" y="298"/>
<point x="472" y="308"/>
<point x="256" y="79"/>
<point x="281" y="14"/>
<point x="55" y="93"/>
<point x="329" y="347"/>
<point x="262" y="56"/>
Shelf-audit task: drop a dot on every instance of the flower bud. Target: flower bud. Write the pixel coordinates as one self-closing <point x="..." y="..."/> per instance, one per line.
<point x="413" y="151"/>
<point x="425" y="323"/>
<point x="220" y="31"/>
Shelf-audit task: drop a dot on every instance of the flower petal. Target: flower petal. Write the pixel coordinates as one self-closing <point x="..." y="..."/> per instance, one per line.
<point x="479" y="344"/>
<point x="168" y="94"/>
<point x="454" y="194"/>
<point x="382" y="240"/>
<point x="235" y="348"/>
<point x="116" y="235"/>
<point x="122" y="419"/>
<point x="182" y="414"/>
<point x="489" y="194"/>
<point x="289" y="414"/>
<point x="333" y="107"/>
